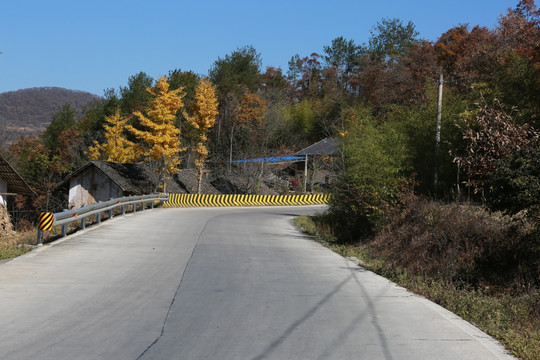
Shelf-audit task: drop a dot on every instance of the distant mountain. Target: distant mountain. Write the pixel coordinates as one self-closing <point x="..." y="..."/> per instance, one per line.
<point x="29" y="111"/>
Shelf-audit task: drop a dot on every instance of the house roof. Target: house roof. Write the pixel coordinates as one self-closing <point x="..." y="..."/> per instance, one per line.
<point x="325" y="147"/>
<point x="139" y="178"/>
<point x="15" y="182"/>
<point x="187" y="178"/>
<point x="131" y="178"/>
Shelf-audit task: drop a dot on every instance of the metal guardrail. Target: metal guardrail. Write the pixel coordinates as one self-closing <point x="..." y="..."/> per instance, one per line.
<point x="65" y="217"/>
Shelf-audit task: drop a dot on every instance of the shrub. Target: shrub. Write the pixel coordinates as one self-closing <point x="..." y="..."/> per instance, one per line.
<point x="514" y="185"/>
<point x="461" y="244"/>
<point x="493" y="138"/>
<point x="373" y="156"/>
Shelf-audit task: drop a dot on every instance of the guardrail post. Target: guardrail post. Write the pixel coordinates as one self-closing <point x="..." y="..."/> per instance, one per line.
<point x="110" y="213"/>
<point x="83" y="223"/>
<point x="134" y="207"/>
<point x="64" y="230"/>
<point x="45" y="222"/>
<point x="123" y="209"/>
<point x="143" y="206"/>
<point x="98" y="218"/>
<point x="152" y="204"/>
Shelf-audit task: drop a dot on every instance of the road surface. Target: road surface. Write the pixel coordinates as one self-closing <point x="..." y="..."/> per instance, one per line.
<point x="217" y="283"/>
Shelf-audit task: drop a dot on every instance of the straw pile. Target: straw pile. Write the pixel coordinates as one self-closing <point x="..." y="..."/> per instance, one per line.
<point x="6" y="227"/>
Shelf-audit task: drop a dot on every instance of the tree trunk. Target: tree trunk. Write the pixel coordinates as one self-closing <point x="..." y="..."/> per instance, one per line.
<point x="231" y="148"/>
<point x="199" y="179"/>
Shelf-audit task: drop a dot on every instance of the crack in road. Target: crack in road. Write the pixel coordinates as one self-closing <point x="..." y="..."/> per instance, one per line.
<point x="175" y="294"/>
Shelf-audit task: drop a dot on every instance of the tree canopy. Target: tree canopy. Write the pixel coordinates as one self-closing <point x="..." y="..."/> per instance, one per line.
<point x="391" y="80"/>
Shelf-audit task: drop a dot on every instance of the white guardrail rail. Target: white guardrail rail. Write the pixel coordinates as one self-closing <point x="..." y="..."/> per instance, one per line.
<point x="48" y="220"/>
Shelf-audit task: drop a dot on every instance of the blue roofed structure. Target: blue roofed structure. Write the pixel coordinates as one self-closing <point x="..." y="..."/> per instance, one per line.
<point x="273" y="159"/>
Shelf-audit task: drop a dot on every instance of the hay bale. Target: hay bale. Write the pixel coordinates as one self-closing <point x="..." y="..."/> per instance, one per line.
<point x="6" y="227"/>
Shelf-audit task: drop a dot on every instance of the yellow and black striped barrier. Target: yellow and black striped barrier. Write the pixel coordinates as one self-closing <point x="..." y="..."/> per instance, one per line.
<point x="45" y="221"/>
<point x="202" y="200"/>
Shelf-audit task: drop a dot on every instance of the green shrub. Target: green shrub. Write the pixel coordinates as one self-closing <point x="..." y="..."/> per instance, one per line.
<point x="373" y="156"/>
<point x="514" y="185"/>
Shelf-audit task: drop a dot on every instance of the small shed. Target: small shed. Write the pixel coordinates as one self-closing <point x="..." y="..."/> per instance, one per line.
<point x="11" y="183"/>
<point x="102" y="180"/>
<point x="325" y="147"/>
<point x="320" y="157"/>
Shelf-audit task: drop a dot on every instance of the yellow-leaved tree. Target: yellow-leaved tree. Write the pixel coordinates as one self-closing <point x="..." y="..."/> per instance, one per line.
<point x="116" y="148"/>
<point x="251" y="113"/>
<point x="203" y="116"/>
<point x="160" y="138"/>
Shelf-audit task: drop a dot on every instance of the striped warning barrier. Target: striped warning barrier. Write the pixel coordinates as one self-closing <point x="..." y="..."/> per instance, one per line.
<point x="196" y="200"/>
<point x="45" y="221"/>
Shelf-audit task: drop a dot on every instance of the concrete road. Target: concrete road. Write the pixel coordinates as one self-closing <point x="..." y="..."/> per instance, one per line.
<point x="220" y="283"/>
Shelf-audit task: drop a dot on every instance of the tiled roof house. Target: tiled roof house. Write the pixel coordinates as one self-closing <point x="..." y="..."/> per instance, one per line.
<point x="11" y="183"/>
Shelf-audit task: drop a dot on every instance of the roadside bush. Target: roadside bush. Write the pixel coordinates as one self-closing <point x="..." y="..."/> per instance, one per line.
<point x="461" y="244"/>
<point x="373" y="157"/>
<point x="514" y="185"/>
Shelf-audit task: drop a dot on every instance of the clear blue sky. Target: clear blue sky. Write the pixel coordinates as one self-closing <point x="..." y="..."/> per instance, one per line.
<point x="95" y="45"/>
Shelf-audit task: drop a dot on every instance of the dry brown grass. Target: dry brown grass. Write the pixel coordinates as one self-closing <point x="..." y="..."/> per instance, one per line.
<point x="461" y="244"/>
<point x="16" y="244"/>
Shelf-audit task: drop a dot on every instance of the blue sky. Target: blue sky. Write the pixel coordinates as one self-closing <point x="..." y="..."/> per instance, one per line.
<point x="96" y="45"/>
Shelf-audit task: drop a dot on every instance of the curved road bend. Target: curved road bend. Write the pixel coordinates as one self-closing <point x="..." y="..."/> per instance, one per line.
<point x="216" y="283"/>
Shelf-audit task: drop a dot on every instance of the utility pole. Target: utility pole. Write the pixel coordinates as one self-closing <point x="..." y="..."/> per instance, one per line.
<point x="305" y="174"/>
<point x="438" y="133"/>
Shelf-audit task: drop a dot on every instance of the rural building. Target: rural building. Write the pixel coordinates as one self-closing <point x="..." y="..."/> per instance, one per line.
<point x="312" y="165"/>
<point x="102" y="180"/>
<point x="319" y="162"/>
<point x="11" y="183"/>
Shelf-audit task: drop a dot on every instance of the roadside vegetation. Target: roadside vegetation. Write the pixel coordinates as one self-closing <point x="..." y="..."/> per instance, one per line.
<point x="13" y="244"/>
<point x="16" y="244"/>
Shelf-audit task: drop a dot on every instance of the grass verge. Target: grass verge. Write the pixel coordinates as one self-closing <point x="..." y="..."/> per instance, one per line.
<point x="16" y="244"/>
<point x="511" y="318"/>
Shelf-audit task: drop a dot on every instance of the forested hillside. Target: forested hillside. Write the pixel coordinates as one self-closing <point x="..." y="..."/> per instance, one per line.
<point x="29" y="111"/>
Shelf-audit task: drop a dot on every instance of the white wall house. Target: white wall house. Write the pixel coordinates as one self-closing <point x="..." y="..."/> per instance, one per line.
<point x="101" y="181"/>
<point x="91" y="186"/>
